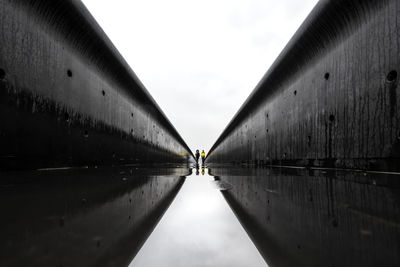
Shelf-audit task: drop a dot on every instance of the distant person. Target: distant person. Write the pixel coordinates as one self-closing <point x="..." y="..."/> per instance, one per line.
<point x="203" y="156"/>
<point x="197" y="156"/>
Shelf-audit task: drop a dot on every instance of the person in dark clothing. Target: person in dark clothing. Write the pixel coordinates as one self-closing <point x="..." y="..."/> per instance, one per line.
<point x="197" y="156"/>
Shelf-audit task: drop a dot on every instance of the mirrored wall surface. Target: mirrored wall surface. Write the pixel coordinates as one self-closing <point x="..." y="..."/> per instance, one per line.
<point x="82" y="217"/>
<point x="315" y="217"/>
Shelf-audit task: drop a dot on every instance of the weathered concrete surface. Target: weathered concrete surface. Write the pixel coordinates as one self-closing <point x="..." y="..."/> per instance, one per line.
<point x="330" y="99"/>
<point x="84" y="217"/>
<point x="317" y="218"/>
<point x="67" y="97"/>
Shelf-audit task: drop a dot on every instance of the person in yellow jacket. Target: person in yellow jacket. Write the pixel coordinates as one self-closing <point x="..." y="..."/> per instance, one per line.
<point x="203" y="156"/>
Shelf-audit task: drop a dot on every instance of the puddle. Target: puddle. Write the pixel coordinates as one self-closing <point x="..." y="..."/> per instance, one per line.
<point x="199" y="229"/>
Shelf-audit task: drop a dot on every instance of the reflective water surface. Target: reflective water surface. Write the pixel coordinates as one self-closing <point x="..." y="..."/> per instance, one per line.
<point x="82" y="217"/>
<point x="114" y="217"/>
<point x="305" y="217"/>
<point x="199" y="229"/>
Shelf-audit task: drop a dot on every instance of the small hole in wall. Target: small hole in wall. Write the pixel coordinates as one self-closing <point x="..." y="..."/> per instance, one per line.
<point x="69" y="73"/>
<point x="131" y="114"/>
<point x="66" y="116"/>
<point x="295" y="92"/>
<point x="331" y="118"/>
<point x="267" y="130"/>
<point x="103" y="92"/>
<point x="2" y="74"/>
<point x="326" y="76"/>
<point x="392" y="76"/>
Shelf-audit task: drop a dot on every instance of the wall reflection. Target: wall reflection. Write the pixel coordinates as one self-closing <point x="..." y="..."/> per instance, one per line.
<point x="85" y="217"/>
<point x="299" y="217"/>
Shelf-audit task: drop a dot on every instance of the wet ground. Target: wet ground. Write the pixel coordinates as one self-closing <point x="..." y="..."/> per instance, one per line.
<point x="82" y="217"/>
<point x="169" y="216"/>
<point x="317" y="217"/>
<point x="199" y="229"/>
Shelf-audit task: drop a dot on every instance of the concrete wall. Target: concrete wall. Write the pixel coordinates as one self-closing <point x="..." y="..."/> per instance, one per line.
<point x="84" y="217"/>
<point x="67" y="97"/>
<point x="316" y="218"/>
<point x="330" y="99"/>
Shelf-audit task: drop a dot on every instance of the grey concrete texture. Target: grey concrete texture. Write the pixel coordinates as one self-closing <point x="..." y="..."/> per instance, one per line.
<point x="330" y="98"/>
<point x="82" y="217"/>
<point x="302" y="217"/>
<point x="67" y="97"/>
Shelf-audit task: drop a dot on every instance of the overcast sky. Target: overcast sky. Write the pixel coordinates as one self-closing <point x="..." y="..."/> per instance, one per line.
<point x="200" y="59"/>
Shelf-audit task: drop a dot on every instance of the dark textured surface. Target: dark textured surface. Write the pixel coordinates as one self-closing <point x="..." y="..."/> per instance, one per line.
<point x="330" y="98"/>
<point x="67" y="97"/>
<point x="82" y="217"/>
<point x="299" y="217"/>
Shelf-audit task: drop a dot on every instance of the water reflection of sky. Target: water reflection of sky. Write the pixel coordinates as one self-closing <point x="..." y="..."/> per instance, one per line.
<point x="199" y="229"/>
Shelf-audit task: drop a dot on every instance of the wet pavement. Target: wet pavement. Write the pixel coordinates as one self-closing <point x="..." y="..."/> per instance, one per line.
<point x="82" y="217"/>
<point x="199" y="229"/>
<point x="166" y="216"/>
<point x="317" y="217"/>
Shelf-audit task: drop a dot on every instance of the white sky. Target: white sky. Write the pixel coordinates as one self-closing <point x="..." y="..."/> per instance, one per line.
<point x="200" y="59"/>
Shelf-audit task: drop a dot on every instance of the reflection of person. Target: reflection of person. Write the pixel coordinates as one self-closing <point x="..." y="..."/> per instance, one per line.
<point x="197" y="169"/>
<point x="197" y="156"/>
<point x="203" y="156"/>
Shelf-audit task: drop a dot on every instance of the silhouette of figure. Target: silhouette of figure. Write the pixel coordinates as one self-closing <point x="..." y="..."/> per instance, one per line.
<point x="197" y="156"/>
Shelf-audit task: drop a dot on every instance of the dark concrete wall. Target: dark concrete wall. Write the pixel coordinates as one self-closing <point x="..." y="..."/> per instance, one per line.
<point x="84" y="217"/>
<point x="67" y="97"/>
<point x="330" y="99"/>
<point x="317" y="218"/>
